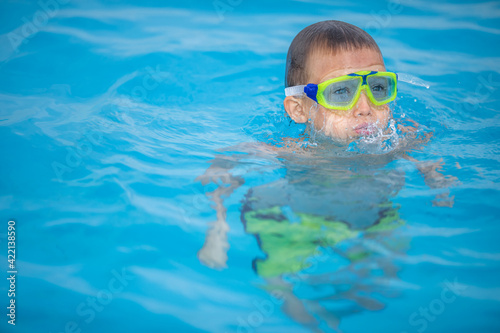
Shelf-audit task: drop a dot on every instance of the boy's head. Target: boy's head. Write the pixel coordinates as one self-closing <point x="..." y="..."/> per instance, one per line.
<point x="332" y="49"/>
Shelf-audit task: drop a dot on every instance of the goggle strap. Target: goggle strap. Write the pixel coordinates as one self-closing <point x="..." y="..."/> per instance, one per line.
<point x="311" y="91"/>
<point x="295" y="90"/>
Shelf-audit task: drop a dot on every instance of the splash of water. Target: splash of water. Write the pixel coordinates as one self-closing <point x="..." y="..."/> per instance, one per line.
<point x="411" y="79"/>
<point x="379" y="141"/>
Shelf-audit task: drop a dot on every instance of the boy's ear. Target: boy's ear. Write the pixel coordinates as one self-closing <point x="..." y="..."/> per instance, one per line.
<point x="296" y="109"/>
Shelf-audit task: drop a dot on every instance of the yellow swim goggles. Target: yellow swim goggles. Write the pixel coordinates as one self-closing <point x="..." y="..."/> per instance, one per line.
<point x="342" y="93"/>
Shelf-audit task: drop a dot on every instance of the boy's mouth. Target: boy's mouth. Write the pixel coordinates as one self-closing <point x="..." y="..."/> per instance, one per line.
<point x="365" y="129"/>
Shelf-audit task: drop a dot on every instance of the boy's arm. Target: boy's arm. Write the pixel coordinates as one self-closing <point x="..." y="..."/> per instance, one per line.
<point x="214" y="251"/>
<point x="435" y="179"/>
<point x="431" y="169"/>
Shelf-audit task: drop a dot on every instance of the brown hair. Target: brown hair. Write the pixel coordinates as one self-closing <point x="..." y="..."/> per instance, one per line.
<point x="333" y="36"/>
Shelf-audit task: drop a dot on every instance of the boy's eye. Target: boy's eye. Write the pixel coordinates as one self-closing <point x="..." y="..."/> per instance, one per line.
<point x="341" y="91"/>
<point x="378" y="88"/>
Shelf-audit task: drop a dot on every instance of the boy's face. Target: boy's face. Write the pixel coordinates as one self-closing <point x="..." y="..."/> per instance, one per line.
<point x="363" y="117"/>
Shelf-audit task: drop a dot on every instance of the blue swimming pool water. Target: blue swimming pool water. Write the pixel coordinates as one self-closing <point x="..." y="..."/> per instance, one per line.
<point x="109" y="112"/>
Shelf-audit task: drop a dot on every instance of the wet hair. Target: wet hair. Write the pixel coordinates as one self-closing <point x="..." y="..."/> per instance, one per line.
<point x="330" y="36"/>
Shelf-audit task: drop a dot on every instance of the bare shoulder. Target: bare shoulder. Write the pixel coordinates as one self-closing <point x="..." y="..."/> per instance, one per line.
<point x="289" y="145"/>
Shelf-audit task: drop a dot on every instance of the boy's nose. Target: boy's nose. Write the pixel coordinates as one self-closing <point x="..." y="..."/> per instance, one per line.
<point x="363" y="107"/>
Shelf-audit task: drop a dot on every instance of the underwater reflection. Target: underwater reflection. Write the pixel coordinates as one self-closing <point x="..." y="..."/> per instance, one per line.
<point x="328" y="228"/>
<point x="326" y="232"/>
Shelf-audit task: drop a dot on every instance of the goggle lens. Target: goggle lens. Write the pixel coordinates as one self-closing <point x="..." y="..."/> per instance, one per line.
<point x="343" y="92"/>
<point x="381" y="87"/>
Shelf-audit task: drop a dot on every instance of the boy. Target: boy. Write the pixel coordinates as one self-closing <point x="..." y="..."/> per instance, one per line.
<point x="337" y="82"/>
<point x="349" y="105"/>
<point x="319" y="53"/>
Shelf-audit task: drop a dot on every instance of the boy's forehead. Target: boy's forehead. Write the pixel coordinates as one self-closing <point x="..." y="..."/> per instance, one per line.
<point x="323" y="65"/>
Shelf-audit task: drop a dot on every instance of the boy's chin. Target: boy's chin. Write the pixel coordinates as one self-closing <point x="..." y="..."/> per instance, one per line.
<point x="348" y="136"/>
<point x="344" y="138"/>
<point x="351" y="136"/>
